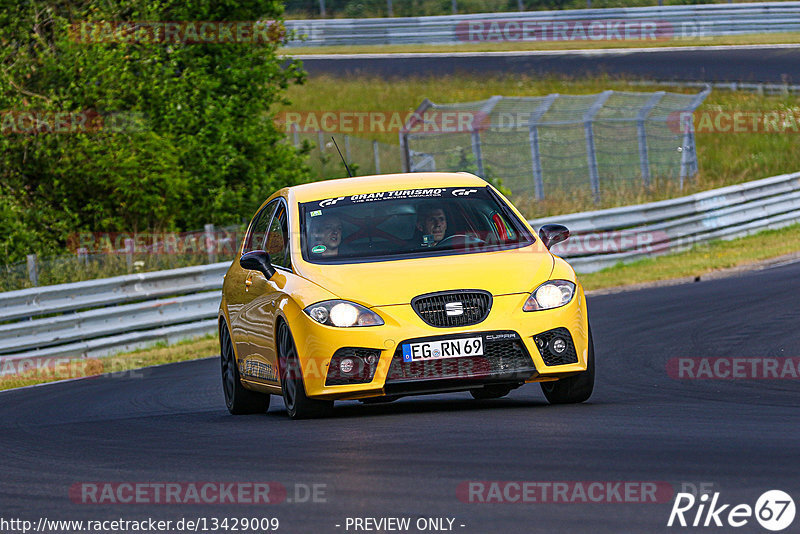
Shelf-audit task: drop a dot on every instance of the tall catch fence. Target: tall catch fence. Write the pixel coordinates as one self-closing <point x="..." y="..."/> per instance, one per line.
<point x="539" y="146"/>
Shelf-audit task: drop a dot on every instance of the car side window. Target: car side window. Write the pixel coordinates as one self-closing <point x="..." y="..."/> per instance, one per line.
<point x="258" y="228"/>
<point x="278" y="239"/>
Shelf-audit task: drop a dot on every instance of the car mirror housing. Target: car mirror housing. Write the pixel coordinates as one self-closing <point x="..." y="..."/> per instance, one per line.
<point x="551" y="234"/>
<point x="257" y="260"/>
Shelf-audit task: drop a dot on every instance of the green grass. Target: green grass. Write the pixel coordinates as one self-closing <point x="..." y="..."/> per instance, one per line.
<point x="157" y="355"/>
<point x="512" y="46"/>
<point x="699" y="260"/>
<point x="724" y="158"/>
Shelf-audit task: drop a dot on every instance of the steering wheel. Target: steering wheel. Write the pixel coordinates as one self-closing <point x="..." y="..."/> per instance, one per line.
<point x="468" y="240"/>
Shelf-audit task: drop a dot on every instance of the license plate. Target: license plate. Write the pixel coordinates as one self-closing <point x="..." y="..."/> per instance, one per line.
<point x="445" y="348"/>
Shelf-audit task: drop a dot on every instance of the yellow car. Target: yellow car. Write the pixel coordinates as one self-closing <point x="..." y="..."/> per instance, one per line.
<point x="377" y="287"/>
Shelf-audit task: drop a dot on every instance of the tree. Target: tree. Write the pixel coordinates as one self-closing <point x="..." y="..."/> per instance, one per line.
<point x="155" y="133"/>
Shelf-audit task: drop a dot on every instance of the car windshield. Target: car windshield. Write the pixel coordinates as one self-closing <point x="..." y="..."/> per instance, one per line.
<point x="415" y="222"/>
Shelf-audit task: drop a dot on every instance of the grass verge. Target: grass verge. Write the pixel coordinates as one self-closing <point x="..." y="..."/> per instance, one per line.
<point x="698" y="261"/>
<point x="120" y="363"/>
<point x="523" y="46"/>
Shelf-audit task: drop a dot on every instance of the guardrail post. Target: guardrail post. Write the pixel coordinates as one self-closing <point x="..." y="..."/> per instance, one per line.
<point x="533" y="139"/>
<point x="295" y="135"/>
<point x="211" y="244"/>
<point x="33" y="272"/>
<point x="377" y="155"/>
<point x="347" y="148"/>
<point x="591" y="154"/>
<point x="644" y="160"/>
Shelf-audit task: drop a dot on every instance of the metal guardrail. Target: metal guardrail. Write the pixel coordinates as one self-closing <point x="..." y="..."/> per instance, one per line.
<point x="603" y="238"/>
<point x="97" y="318"/>
<point x="670" y="22"/>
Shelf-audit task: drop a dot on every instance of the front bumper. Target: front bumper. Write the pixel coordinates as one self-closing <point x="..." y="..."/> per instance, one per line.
<point x="509" y="334"/>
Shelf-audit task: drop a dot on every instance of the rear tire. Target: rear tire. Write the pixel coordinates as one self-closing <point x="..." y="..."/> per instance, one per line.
<point x="573" y="389"/>
<point x="298" y="405"/>
<point x="490" y="392"/>
<point x="238" y="399"/>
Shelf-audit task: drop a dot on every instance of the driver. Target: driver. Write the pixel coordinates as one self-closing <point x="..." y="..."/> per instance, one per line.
<point x="432" y="222"/>
<point x="326" y="235"/>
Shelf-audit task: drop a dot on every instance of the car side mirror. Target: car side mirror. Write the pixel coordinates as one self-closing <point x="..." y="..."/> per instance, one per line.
<point x="257" y="260"/>
<point x="551" y="234"/>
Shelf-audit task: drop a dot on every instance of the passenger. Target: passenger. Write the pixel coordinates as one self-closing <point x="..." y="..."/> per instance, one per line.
<point x="326" y="235"/>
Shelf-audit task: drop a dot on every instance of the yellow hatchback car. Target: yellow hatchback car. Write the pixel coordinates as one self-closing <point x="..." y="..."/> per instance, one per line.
<point x="377" y="287"/>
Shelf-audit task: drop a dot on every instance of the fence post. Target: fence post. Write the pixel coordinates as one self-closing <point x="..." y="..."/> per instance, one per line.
<point x="689" y="167"/>
<point x="476" y="125"/>
<point x="33" y="272"/>
<point x="644" y="159"/>
<point x="347" y="148"/>
<point x="476" y="151"/>
<point x="376" y="154"/>
<point x="321" y="8"/>
<point x="389" y="9"/>
<point x="83" y="255"/>
<point x="211" y="244"/>
<point x="591" y="154"/>
<point x="295" y="135"/>
<point x="417" y="116"/>
<point x="533" y="139"/>
<point x="129" y="253"/>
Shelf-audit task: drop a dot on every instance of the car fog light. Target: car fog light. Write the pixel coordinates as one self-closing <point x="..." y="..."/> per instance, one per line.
<point x="559" y="345"/>
<point x="346" y="365"/>
<point x="372" y="359"/>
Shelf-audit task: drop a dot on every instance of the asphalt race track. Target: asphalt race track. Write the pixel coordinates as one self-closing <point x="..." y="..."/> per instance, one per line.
<point x="169" y="424"/>
<point x="758" y="64"/>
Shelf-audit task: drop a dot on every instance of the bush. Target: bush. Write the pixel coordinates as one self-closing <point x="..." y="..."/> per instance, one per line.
<point x="185" y="133"/>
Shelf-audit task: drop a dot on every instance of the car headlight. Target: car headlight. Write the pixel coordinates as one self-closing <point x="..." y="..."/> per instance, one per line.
<point x="343" y="314"/>
<point x="551" y="294"/>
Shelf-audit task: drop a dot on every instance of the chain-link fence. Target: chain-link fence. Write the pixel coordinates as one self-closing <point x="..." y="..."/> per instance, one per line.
<point x="364" y="156"/>
<point x="539" y="146"/>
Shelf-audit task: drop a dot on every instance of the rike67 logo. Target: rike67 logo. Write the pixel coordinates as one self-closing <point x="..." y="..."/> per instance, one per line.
<point x="774" y="510"/>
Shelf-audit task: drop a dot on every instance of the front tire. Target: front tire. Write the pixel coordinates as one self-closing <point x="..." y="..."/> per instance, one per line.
<point x="298" y="405"/>
<point x="238" y="399"/>
<point x="573" y="389"/>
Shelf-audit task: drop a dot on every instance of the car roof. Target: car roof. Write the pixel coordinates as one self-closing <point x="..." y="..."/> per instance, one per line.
<point x="382" y="182"/>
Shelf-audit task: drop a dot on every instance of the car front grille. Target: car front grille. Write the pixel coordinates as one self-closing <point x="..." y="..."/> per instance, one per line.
<point x="504" y="357"/>
<point x="449" y="309"/>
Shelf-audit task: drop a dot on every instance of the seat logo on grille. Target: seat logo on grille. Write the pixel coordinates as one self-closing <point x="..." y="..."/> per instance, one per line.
<point x="454" y="308"/>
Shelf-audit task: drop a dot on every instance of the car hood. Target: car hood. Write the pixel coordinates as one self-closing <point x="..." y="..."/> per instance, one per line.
<point x="388" y="283"/>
